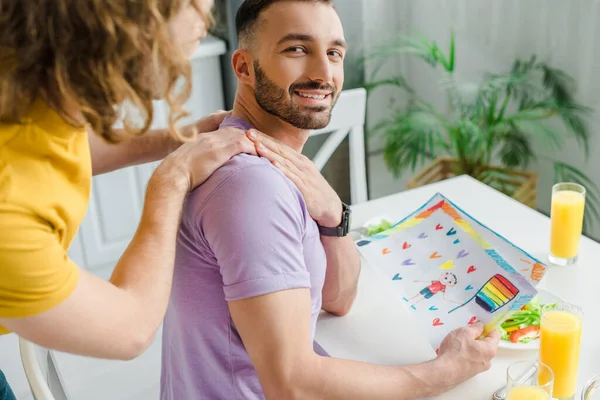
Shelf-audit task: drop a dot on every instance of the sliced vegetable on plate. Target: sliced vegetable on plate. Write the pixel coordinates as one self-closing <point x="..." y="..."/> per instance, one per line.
<point x="373" y="229"/>
<point x="522" y="326"/>
<point x="525" y="335"/>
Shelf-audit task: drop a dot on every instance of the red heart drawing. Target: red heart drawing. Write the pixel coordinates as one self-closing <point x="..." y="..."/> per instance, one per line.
<point x="437" y="351"/>
<point x="473" y="320"/>
<point x="437" y="322"/>
<point x="435" y="255"/>
<point x="385" y="251"/>
<point x="439" y="227"/>
<point x="471" y="269"/>
<point x="406" y="246"/>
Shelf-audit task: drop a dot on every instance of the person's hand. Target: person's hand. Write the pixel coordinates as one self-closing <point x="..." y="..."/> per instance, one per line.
<point x="323" y="203"/>
<point x="193" y="162"/>
<point x="466" y="354"/>
<point x="211" y="122"/>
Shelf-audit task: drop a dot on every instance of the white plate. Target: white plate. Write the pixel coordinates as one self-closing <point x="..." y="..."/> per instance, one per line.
<point x="545" y="298"/>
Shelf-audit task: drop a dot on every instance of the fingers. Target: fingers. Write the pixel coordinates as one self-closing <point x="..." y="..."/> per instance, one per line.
<point x="477" y="328"/>
<point x="225" y="143"/>
<point x="283" y="159"/>
<point x="243" y="145"/>
<point x="280" y="162"/>
<point x="291" y="175"/>
<point x="493" y="337"/>
<point x="271" y="145"/>
<point x="218" y="117"/>
<point x="211" y="122"/>
<point x="239" y="143"/>
<point x="272" y="156"/>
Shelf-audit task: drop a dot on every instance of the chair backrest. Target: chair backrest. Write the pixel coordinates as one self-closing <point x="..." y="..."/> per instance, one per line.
<point x="42" y="375"/>
<point x="348" y="119"/>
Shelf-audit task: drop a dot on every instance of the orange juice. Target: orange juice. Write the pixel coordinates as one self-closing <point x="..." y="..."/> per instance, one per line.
<point x="567" y="221"/>
<point x="560" y="339"/>
<point x="527" y="393"/>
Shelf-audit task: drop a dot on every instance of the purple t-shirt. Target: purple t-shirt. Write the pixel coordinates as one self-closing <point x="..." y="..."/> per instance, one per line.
<point x="245" y="232"/>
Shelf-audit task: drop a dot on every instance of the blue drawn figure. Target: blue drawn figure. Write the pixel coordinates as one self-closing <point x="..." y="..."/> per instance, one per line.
<point x="447" y="279"/>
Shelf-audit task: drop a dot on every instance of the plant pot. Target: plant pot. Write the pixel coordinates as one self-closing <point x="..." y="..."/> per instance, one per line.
<point x="520" y="185"/>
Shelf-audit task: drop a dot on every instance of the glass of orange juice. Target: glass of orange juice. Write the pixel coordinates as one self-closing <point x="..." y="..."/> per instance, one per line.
<point x="566" y="216"/>
<point x="529" y="380"/>
<point x="560" y="339"/>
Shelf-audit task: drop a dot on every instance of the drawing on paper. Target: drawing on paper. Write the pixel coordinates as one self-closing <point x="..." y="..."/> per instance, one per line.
<point x="495" y="293"/>
<point x="446" y="280"/>
<point x="446" y="266"/>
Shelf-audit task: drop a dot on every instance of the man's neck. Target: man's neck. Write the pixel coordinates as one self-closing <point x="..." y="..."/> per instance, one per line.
<point x="246" y="108"/>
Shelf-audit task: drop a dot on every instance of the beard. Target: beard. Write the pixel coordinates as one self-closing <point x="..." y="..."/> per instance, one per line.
<point x="279" y="103"/>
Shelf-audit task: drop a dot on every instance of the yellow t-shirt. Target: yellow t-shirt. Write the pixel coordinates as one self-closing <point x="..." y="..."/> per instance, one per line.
<point x="45" y="180"/>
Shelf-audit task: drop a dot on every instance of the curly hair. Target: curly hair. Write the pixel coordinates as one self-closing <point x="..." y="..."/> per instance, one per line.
<point x="99" y="54"/>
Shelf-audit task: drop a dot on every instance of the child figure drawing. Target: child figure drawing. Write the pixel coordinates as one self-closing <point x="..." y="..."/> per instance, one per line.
<point x="447" y="279"/>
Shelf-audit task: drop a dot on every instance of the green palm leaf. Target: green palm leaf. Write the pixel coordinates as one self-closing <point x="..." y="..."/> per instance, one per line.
<point x="410" y="140"/>
<point x="516" y="150"/>
<point x="397" y="81"/>
<point x="539" y="131"/>
<point x="499" y="180"/>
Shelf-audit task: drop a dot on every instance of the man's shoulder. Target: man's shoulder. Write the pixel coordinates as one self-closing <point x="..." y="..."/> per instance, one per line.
<point x="242" y="178"/>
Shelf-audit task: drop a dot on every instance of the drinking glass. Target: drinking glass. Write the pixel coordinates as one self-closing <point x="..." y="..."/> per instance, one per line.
<point x="566" y="216"/>
<point x="591" y="391"/>
<point x="529" y="380"/>
<point x="560" y="340"/>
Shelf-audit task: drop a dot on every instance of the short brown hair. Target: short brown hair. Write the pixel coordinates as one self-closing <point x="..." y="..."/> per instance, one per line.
<point x="248" y="16"/>
<point x="91" y="52"/>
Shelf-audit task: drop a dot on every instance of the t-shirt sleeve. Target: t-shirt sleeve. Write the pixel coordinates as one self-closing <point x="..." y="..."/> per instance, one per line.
<point x="254" y="224"/>
<point x="35" y="271"/>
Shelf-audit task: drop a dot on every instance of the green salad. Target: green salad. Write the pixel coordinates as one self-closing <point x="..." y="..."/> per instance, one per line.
<point x="374" y="229"/>
<point x="522" y="326"/>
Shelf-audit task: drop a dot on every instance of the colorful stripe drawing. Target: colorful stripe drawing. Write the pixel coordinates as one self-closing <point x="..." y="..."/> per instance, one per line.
<point x="493" y="295"/>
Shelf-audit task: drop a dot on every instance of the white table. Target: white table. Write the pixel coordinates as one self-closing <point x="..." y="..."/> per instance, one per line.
<point x="379" y="330"/>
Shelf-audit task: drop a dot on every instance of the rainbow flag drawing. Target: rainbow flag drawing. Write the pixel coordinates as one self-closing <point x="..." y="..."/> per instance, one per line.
<point x="493" y="295"/>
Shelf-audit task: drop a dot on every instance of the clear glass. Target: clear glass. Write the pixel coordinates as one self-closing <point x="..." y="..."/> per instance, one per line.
<point x="591" y="391"/>
<point x="529" y="380"/>
<point x="566" y="216"/>
<point x="560" y="342"/>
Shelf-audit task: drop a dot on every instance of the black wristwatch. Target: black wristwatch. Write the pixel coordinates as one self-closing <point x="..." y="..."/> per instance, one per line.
<point x="342" y="229"/>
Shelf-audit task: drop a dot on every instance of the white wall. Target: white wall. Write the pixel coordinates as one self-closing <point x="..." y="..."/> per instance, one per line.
<point x="383" y="20"/>
<point x="489" y="36"/>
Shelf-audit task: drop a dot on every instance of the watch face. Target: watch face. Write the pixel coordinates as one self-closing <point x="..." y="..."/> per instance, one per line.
<point x="346" y="220"/>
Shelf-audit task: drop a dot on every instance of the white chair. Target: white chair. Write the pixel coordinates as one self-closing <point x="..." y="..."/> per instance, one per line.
<point x="348" y="119"/>
<point x="42" y="375"/>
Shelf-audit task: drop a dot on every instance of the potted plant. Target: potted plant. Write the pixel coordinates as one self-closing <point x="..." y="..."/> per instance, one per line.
<point x="492" y="129"/>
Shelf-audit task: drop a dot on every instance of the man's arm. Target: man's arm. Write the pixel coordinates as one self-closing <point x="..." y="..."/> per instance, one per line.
<point x="341" y="278"/>
<point x="152" y="146"/>
<point x="275" y="329"/>
<point x="325" y="207"/>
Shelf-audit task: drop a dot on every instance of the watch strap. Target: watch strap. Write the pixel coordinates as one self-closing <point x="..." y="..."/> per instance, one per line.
<point x="342" y="229"/>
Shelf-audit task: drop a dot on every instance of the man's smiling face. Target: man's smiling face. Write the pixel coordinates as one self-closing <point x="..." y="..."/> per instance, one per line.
<point x="299" y="65"/>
